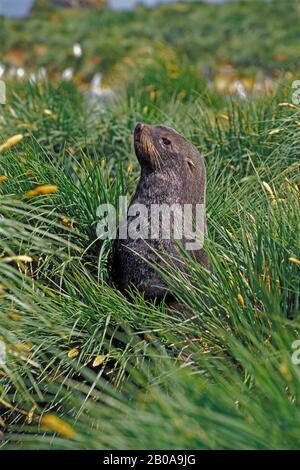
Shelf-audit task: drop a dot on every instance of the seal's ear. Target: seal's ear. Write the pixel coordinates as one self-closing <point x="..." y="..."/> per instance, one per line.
<point x="191" y="164"/>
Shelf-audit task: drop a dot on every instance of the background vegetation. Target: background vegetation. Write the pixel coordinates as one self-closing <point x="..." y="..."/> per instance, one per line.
<point x="84" y="367"/>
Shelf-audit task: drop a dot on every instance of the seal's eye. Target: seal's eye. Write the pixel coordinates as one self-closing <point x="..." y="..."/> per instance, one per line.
<point x="166" y="141"/>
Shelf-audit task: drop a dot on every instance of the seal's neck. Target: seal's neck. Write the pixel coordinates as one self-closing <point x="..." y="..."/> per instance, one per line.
<point x="164" y="185"/>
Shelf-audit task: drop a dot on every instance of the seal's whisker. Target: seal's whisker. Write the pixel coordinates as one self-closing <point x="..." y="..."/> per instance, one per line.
<point x="150" y="149"/>
<point x="158" y="159"/>
<point x="154" y="153"/>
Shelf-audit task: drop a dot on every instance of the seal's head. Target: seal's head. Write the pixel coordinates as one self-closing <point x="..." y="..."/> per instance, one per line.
<point x="159" y="147"/>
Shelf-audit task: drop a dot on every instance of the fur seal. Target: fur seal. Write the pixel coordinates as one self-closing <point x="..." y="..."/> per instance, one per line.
<point x="172" y="172"/>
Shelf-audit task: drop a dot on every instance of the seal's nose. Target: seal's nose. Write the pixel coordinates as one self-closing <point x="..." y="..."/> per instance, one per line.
<point x="139" y="127"/>
<point x="137" y="131"/>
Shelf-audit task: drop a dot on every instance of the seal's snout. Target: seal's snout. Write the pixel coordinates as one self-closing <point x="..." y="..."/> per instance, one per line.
<point x="138" y="131"/>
